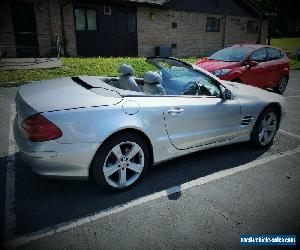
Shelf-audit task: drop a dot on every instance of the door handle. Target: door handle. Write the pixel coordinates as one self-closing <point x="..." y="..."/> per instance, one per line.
<point x="176" y="111"/>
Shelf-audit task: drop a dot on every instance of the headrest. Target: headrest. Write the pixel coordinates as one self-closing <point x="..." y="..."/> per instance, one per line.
<point x="125" y="69"/>
<point x="152" y="77"/>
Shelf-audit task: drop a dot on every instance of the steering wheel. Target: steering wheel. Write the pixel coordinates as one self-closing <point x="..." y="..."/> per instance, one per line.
<point x="204" y="91"/>
<point x="191" y="88"/>
<point x="195" y="88"/>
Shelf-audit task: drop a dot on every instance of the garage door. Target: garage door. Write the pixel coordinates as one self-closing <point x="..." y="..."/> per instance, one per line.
<point x="105" y="30"/>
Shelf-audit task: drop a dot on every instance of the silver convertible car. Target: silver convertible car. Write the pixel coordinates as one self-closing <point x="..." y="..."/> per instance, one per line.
<point x="114" y="128"/>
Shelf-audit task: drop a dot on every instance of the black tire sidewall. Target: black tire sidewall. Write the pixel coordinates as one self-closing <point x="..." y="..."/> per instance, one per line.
<point x="254" y="138"/>
<point x="277" y="87"/>
<point x="105" y="148"/>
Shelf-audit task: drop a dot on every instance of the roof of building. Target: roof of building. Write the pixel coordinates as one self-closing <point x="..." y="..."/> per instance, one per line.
<point x="223" y="7"/>
<point x="220" y="7"/>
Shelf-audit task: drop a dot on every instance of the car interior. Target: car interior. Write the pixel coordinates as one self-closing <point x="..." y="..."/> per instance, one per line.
<point x="169" y="80"/>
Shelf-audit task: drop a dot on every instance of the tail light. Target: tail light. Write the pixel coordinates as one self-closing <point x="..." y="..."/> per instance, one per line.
<point x="37" y="128"/>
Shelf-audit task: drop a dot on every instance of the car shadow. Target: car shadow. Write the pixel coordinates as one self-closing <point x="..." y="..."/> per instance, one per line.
<point x="41" y="202"/>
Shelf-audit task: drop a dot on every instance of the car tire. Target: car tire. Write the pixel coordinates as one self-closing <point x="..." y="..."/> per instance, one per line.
<point x="236" y="80"/>
<point x="281" y="85"/>
<point x="265" y="128"/>
<point x="121" y="162"/>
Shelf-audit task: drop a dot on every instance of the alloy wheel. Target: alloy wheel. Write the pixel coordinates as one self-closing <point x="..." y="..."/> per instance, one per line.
<point x="123" y="164"/>
<point x="267" y="128"/>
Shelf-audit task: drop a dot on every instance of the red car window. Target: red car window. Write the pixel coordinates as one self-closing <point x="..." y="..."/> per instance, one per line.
<point x="259" y="55"/>
<point x="274" y="54"/>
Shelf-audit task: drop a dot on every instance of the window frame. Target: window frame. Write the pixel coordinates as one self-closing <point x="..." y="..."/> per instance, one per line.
<point x="127" y="14"/>
<point x="250" y="31"/>
<point x="85" y="9"/>
<point x="268" y="57"/>
<point x="264" y="48"/>
<point x="214" y="19"/>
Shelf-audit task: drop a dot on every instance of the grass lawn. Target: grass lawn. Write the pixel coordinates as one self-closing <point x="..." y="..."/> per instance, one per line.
<point x="290" y="45"/>
<point x="108" y="66"/>
<point x="79" y="66"/>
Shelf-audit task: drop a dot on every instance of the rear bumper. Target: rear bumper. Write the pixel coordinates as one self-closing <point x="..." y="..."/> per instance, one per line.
<point x="56" y="160"/>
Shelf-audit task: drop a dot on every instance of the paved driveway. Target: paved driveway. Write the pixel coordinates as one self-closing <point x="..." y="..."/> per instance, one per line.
<point x="228" y="191"/>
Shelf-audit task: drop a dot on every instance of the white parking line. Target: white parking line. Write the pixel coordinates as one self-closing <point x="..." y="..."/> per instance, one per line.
<point x="289" y="133"/>
<point x="293" y="89"/>
<point x="198" y="182"/>
<point x="10" y="197"/>
<point x="292" y="96"/>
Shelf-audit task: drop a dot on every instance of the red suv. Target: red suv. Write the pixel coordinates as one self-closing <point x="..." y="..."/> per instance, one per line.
<point x="258" y="65"/>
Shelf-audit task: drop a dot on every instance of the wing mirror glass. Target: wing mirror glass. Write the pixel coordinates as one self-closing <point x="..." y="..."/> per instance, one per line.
<point x="227" y="94"/>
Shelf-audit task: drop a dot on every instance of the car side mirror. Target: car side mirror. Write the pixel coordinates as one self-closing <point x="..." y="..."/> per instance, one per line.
<point x="227" y="94"/>
<point x="251" y="64"/>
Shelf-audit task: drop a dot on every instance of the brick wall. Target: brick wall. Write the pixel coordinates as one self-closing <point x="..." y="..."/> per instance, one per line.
<point x="70" y="34"/>
<point x="152" y="31"/>
<point x="6" y="26"/>
<point x="48" y="27"/>
<point x="236" y="30"/>
<point x="190" y="36"/>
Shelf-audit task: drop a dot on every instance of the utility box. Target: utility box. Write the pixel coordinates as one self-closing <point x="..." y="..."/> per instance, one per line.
<point x="298" y="55"/>
<point x="163" y="50"/>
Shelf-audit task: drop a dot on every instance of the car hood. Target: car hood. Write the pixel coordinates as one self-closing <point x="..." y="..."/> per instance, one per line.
<point x="68" y="93"/>
<point x="212" y="65"/>
<point x="249" y="93"/>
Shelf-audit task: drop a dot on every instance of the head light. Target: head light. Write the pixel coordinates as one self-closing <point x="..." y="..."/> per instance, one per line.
<point x="220" y="72"/>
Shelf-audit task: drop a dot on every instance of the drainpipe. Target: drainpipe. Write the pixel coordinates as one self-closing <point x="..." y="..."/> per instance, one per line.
<point x="62" y="19"/>
<point x="259" y="30"/>
<point x="224" y="30"/>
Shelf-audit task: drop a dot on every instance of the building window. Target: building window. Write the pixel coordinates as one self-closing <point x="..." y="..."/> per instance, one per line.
<point x="107" y="10"/>
<point x="126" y="22"/>
<point x="213" y="24"/>
<point x="252" y="27"/>
<point x="174" y="25"/>
<point x="86" y="19"/>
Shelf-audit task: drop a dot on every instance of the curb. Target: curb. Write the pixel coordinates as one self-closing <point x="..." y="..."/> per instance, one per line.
<point x="11" y="84"/>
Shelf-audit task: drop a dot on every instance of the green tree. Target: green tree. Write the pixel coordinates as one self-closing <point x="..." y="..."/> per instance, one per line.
<point x="286" y="22"/>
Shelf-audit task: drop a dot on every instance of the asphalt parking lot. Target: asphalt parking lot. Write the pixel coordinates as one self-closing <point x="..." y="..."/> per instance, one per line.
<point x="238" y="190"/>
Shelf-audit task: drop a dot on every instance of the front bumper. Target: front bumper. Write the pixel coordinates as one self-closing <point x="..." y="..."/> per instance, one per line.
<point x="56" y="160"/>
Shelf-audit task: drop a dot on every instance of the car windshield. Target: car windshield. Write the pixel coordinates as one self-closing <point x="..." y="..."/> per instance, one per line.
<point x="231" y="54"/>
<point x="181" y="80"/>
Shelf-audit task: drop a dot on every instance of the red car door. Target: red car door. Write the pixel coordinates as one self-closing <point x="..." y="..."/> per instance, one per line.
<point x="275" y="64"/>
<point x="256" y="75"/>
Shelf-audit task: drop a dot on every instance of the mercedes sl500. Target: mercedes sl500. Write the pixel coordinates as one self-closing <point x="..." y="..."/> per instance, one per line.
<point x="114" y="128"/>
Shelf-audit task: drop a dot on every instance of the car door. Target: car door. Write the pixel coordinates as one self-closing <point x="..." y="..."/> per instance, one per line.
<point x="275" y="64"/>
<point x="257" y="75"/>
<point x="195" y="120"/>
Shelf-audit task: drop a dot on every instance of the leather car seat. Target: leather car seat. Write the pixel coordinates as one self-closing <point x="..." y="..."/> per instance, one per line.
<point x="152" y="85"/>
<point x="126" y="80"/>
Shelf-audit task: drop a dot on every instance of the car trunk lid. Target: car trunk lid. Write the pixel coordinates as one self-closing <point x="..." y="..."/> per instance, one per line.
<point x="66" y="93"/>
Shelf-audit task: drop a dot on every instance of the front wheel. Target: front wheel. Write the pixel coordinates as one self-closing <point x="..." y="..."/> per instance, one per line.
<point x="265" y="128"/>
<point x="120" y="162"/>
<point x="281" y="86"/>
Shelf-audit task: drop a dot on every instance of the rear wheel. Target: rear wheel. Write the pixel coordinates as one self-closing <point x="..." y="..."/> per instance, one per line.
<point x="265" y="128"/>
<point x="237" y="80"/>
<point x="120" y="162"/>
<point x="281" y="86"/>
